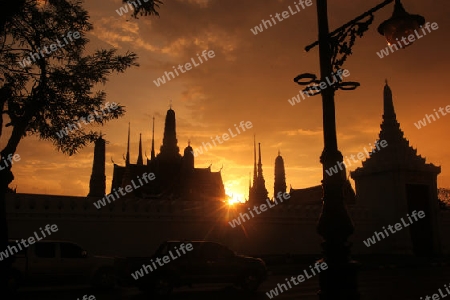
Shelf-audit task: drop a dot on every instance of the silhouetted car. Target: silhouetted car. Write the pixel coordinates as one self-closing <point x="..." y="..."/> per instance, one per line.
<point x="207" y="262"/>
<point x="60" y="262"/>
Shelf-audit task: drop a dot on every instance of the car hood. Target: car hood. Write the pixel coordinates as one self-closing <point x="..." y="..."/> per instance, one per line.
<point x="249" y="258"/>
<point x="103" y="257"/>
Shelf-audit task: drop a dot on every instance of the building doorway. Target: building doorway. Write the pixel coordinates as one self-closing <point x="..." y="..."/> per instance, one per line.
<point x="418" y="198"/>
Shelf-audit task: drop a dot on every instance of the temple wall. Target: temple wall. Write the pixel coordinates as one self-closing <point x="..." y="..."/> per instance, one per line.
<point x="136" y="227"/>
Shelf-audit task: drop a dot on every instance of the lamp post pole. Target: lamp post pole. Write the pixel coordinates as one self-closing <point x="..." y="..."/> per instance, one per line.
<point x="339" y="281"/>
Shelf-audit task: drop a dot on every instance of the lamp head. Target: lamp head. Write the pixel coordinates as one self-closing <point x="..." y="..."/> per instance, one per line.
<point x="400" y="25"/>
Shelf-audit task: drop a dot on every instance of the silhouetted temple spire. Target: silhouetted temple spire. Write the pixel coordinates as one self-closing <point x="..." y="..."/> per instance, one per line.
<point x="260" y="189"/>
<point x="153" y="141"/>
<point x="169" y="148"/>
<point x="140" y="160"/>
<point x="258" y="192"/>
<point x="127" y="159"/>
<point x="249" y="184"/>
<point x="97" y="184"/>
<point x="280" y="176"/>
<point x="255" y="175"/>
<point x="390" y="128"/>
<point x="260" y="174"/>
<point x="389" y="112"/>
<point x="395" y="152"/>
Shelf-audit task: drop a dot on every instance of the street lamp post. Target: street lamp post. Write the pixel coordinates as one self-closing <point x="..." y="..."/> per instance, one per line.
<point x="339" y="281"/>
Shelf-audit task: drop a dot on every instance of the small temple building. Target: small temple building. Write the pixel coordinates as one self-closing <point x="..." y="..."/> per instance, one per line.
<point x="396" y="181"/>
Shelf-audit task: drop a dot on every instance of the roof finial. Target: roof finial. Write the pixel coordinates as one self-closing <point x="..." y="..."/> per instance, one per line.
<point x="386" y="81"/>
<point x="127" y="159"/>
<point x="255" y="174"/>
<point x="140" y="160"/>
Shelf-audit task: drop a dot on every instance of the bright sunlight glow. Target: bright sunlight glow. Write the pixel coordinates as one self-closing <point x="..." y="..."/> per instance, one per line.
<point x="235" y="198"/>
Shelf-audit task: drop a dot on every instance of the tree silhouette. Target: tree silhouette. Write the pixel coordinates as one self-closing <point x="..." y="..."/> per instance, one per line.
<point x="11" y="8"/>
<point x="144" y="8"/>
<point x="43" y="88"/>
<point x="444" y="198"/>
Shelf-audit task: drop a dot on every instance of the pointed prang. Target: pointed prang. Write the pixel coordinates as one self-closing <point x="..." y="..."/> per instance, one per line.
<point x="152" y="155"/>
<point x="390" y="128"/>
<point x="259" y="161"/>
<point x="388" y="107"/>
<point x="140" y="160"/>
<point x="280" y="175"/>
<point x="127" y="159"/>
<point x="169" y="149"/>
<point x="249" y="184"/>
<point x="255" y="176"/>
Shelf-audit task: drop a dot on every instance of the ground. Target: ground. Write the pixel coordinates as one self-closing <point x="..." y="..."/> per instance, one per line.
<point x="375" y="283"/>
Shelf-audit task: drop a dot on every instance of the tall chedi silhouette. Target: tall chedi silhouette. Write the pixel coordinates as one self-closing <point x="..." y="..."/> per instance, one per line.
<point x="280" y="176"/>
<point x="97" y="184"/>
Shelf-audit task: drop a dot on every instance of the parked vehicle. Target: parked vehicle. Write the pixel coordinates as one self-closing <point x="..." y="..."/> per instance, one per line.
<point x="208" y="262"/>
<point x="53" y="262"/>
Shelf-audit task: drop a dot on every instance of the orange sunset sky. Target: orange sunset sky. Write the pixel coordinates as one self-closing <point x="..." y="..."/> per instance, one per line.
<point x="251" y="79"/>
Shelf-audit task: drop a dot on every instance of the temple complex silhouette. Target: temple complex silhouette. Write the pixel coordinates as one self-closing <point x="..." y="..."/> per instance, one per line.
<point x="176" y="175"/>
<point x="185" y="202"/>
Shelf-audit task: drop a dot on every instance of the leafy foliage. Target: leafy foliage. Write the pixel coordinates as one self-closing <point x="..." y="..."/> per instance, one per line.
<point x="145" y="7"/>
<point x="45" y="96"/>
<point x="444" y="198"/>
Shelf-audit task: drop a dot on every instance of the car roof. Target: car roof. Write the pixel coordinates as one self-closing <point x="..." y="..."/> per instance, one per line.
<point x="45" y="241"/>
<point x="198" y="243"/>
<point x="192" y="242"/>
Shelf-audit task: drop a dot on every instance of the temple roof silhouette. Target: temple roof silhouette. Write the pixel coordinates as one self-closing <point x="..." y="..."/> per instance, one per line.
<point x="398" y="154"/>
<point x="176" y="176"/>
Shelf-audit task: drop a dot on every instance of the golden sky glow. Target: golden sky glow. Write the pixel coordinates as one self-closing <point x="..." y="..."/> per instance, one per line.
<point x="251" y="79"/>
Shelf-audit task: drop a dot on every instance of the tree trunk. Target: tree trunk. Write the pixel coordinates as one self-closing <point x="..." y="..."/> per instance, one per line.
<point x="6" y="177"/>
